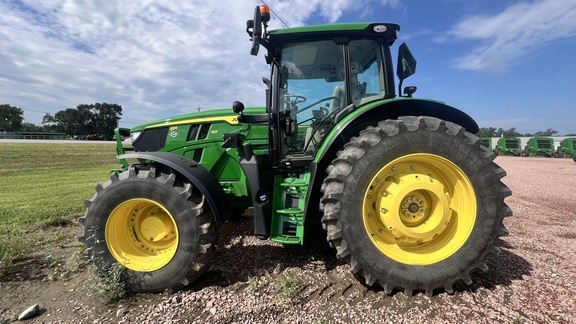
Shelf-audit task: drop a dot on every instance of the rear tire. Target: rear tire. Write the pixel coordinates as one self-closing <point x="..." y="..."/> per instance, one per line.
<point x="153" y="222"/>
<point x="414" y="204"/>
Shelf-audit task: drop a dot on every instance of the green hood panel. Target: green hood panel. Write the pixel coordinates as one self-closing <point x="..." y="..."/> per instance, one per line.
<point x="209" y="116"/>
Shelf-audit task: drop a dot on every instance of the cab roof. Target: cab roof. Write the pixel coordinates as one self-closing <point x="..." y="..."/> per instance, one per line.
<point x="386" y="31"/>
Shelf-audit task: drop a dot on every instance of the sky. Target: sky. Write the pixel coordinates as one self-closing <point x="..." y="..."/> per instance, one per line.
<point x="507" y="63"/>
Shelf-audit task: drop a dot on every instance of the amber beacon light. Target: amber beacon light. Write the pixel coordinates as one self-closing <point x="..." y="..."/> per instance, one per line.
<point x="265" y="13"/>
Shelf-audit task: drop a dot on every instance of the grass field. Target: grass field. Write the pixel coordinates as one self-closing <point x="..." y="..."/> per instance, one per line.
<point x="44" y="186"/>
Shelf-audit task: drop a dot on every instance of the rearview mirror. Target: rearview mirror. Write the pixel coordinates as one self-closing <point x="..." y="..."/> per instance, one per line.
<point x="256" y="31"/>
<point x="406" y="65"/>
<point x="406" y="62"/>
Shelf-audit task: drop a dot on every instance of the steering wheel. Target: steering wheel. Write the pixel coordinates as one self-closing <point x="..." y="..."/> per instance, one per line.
<point x="315" y="103"/>
<point x="297" y="99"/>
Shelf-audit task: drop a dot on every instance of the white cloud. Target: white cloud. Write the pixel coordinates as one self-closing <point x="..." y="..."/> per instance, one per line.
<point x="154" y="58"/>
<point x="514" y="33"/>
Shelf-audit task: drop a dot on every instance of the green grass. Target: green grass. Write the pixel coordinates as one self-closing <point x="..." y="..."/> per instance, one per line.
<point x="45" y="185"/>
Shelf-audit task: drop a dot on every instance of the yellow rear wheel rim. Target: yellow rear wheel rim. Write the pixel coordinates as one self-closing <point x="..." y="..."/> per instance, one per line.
<point x="142" y="235"/>
<point x="419" y="209"/>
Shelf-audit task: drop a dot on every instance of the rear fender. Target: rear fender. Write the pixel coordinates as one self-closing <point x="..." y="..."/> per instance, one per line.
<point x="352" y="123"/>
<point x="196" y="174"/>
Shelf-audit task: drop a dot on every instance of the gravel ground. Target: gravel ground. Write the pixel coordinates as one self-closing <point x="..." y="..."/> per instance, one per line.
<point x="252" y="281"/>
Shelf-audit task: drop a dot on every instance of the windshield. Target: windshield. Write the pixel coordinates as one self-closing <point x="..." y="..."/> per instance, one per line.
<point x="313" y="87"/>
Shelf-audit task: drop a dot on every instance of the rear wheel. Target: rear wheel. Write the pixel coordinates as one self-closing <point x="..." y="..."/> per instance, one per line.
<point x="414" y="204"/>
<point x="154" y="223"/>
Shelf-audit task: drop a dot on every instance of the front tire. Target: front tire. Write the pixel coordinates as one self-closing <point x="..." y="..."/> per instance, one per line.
<point x="153" y="222"/>
<point x="414" y="204"/>
<point x="525" y="153"/>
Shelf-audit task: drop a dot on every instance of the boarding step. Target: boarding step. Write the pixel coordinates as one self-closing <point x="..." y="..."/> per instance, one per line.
<point x="288" y="227"/>
<point x="294" y="182"/>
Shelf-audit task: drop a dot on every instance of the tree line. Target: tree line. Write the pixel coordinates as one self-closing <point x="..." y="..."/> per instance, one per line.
<point x="85" y="119"/>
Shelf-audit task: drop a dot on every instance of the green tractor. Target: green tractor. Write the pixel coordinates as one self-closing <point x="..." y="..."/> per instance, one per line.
<point x="566" y="148"/>
<point x="404" y="190"/>
<point x="508" y="146"/>
<point x="539" y="146"/>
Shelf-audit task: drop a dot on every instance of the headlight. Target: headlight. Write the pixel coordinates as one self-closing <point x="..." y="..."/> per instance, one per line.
<point x="134" y="136"/>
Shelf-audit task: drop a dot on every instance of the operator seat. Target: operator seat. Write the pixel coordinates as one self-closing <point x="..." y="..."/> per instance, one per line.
<point x="339" y="101"/>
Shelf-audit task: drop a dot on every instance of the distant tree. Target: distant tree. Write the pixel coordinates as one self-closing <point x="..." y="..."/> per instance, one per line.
<point x="487" y="132"/>
<point x="548" y="132"/>
<point x="11" y="117"/>
<point x="29" y="127"/>
<point x="67" y="121"/>
<point x="511" y="133"/>
<point x="104" y="116"/>
<point x="98" y="118"/>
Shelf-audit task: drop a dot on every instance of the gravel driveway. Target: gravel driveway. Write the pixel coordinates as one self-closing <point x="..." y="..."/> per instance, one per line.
<point x="252" y="281"/>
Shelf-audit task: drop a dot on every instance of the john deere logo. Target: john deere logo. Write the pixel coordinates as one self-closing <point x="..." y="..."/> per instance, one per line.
<point x="173" y="131"/>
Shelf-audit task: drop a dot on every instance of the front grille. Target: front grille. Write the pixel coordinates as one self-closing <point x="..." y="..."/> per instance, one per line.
<point x="151" y="140"/>
<point x="544" y="144"/>
<point x="512" y="144"/>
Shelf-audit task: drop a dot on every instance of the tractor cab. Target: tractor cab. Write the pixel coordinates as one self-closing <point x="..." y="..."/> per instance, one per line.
<point x="320" y="75"/>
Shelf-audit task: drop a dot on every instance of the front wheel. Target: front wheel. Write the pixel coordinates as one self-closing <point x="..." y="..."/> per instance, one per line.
<point x="525" y="153"/>
<point x="414" y="204"/>
<point x="153" y="222"/>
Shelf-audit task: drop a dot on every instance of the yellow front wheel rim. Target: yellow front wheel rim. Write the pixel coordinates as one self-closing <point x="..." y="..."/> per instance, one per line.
<point x="419" y="209"/>
<point x="142" y="235"/>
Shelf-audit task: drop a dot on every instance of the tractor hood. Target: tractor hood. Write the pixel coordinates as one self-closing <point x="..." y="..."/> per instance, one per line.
<point x="216" y="115"/>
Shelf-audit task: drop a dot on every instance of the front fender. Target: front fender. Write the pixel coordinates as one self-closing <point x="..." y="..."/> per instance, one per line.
<point x="196" y="174"/>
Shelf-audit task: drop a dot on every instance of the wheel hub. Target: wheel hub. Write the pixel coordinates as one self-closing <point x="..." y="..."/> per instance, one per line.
<point x="142" y="235"/>
<point x="413" y="209"/>
<point x="417" y="219"/>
